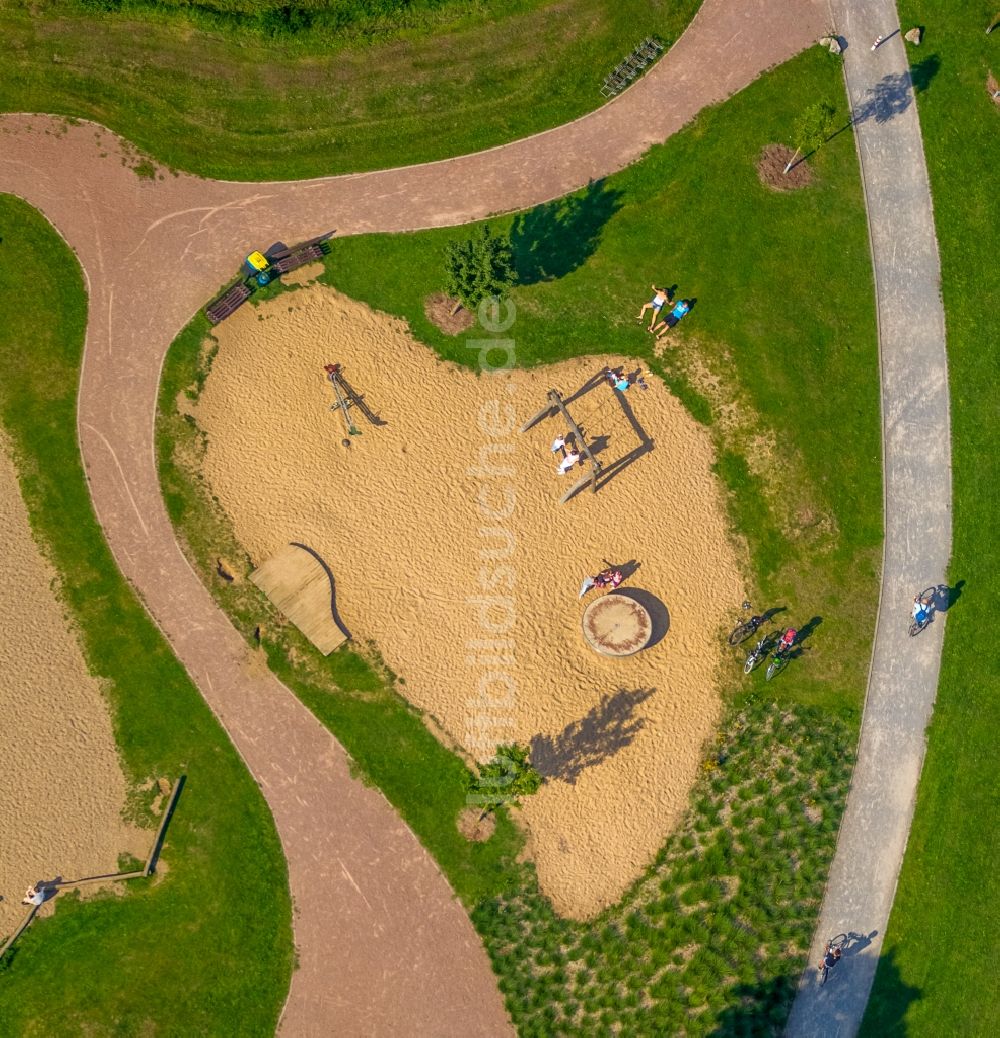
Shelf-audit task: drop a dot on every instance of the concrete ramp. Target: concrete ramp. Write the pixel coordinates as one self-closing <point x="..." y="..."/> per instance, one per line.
<point x="300" y="584"/>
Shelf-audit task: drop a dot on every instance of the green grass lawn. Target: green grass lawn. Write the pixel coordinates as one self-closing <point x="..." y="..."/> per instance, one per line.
<point x="947" y="906"/>
<point x="713" y="937"/>
<point x="208" y="942"/>
<point x="240" y="106"/>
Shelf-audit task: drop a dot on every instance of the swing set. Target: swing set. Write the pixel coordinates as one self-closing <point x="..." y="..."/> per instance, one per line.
<point x="558" y="406"/>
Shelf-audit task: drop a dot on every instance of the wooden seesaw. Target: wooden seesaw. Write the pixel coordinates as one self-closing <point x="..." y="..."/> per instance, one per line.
<point x="347" y="397"/>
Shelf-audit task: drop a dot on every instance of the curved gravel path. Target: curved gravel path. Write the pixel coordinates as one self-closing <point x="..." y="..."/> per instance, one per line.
<point x="916" y="449"/>
<point x="383" y="946"/>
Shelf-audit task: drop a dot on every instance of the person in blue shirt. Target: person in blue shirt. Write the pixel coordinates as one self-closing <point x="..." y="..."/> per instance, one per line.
<point x="681" y="307"/>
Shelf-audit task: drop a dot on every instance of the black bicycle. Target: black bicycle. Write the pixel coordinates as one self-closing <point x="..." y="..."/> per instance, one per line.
<point x="757" y="654"/>
<point x="831" y="955"/>
<point x="927" y="601"/>
<point x="745" y="628"/>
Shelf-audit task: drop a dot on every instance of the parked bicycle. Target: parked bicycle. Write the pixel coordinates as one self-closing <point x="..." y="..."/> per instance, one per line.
<point x="782" y="653"/>
<point x="758" y="653"/>
<point x="923" y="610"/>
<point x="831" y="956"/>
<point x="745" y="628"/>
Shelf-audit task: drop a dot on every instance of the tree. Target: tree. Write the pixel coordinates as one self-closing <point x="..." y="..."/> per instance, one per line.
<point x="812" y="129"/>
<point x="503" y="780"/>
<point x="478" y="268"/>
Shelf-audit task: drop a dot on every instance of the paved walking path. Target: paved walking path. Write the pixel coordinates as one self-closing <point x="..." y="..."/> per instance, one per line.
<point x="917" y="466"/>
<point x="383" y="948"/>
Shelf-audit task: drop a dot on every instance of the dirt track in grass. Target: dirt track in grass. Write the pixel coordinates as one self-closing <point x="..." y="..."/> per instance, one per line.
<point x="451" y="550"/>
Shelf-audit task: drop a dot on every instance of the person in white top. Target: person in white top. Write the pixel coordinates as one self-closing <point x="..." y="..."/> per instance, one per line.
<point x="567" y="463"/>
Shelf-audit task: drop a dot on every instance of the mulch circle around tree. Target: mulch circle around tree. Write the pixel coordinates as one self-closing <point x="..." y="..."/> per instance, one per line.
<point x="473" y="828"/>
<point x="770" y="169"/>
<point x="438" y="308"/>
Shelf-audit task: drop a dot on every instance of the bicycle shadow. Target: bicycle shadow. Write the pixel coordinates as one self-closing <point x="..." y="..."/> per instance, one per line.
<point x="945" y="596"/>
<point x="807" y="631"/>
<point x="857" y="942"/>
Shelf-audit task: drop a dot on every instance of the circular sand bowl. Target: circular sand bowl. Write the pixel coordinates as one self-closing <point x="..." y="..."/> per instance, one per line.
<point x="616" y="625"/>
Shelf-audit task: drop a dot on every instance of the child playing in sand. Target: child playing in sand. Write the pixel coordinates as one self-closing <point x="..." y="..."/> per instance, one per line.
<point x="37" y="894"/>
<point x="607" y="578"/>
<point x="617" y="380"/>
<point x="656" y="304"/>
<point x="567" y="463"/>
<point x="621" y="382"/>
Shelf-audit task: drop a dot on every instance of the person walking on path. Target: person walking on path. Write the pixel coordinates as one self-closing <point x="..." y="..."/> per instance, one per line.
<point x="656" y="304"/>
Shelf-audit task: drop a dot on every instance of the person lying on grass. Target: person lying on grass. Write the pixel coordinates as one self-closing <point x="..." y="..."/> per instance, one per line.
<point x="656" y="304"/>
<point x="681" y="307"/>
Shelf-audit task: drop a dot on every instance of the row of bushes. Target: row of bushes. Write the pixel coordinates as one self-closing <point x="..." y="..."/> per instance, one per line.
<point x="274" y="17"/>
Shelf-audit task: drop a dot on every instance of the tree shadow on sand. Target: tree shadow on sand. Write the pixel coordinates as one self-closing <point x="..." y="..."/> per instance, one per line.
<point x="608" y="727"/>
<point x="554" y="239"/>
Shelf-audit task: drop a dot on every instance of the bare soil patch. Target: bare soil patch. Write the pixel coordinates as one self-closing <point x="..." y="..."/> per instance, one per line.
<point x="771" y="165"/>
<point x="438" y="308"/>
<point x="472" y="827"/>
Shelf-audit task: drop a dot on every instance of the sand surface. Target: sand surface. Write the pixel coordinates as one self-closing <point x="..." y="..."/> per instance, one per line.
<point x="452" y="552"/>
<point x="63" y="789"/>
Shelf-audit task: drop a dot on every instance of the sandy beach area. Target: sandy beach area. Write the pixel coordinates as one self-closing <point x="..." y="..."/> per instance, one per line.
<point x="63" y="789"/>
<point x="452" y="552"/>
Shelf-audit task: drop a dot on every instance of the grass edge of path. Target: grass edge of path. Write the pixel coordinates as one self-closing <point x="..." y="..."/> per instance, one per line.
<point x="936" y="974"/>
<point x="216" y="940"/>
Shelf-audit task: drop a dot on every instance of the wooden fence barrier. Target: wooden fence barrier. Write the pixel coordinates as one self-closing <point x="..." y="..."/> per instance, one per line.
<point x="147" y="870"/>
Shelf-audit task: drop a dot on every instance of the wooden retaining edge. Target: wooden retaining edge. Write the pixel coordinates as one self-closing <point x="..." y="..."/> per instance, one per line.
<point x="154" y="851"/>
<point x="20" y="930"/>
<point x="147" y="870"/>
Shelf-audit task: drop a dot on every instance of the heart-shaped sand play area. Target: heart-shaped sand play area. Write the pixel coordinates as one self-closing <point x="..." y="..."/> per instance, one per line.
<point x="452" y="552"/>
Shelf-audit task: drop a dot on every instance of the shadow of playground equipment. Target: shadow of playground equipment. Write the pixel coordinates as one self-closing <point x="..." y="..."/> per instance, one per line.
<point x="602" y="443"/>
<point x="608" y="727"/>
<point x="554" y="239"/>
<point x="644" y="446"/>
<point x="658" y="612"/>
